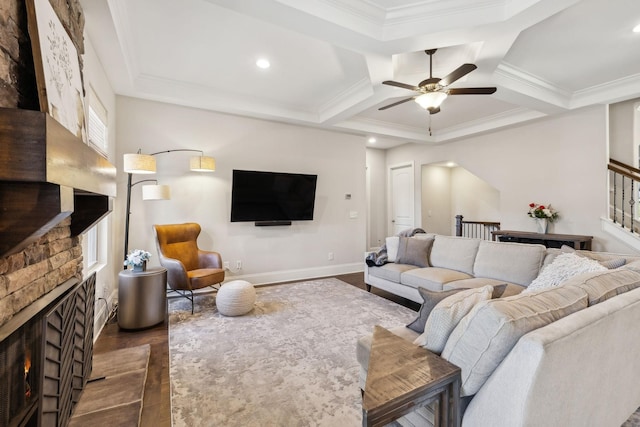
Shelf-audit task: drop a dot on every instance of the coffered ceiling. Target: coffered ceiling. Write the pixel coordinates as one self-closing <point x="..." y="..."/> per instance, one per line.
<point x="329" y="59"/>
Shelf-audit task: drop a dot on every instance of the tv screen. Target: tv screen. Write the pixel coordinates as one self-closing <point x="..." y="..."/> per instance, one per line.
<point x="272" y="196"/>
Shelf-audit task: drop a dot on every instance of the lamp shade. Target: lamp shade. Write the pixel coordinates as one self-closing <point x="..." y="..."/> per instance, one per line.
<point x="431" y="99"/>
<point x="156" y="192"/>
<point x="202" y="164"/>
<point x="139" y="163"/>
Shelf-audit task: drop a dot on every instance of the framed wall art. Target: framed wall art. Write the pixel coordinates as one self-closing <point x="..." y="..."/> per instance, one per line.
<point x="57" y="68"/>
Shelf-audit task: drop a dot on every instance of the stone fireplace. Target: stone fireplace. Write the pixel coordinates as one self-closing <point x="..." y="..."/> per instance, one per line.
<point x="46" y="306"/>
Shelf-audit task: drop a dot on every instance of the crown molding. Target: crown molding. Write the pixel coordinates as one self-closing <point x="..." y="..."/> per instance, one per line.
<point x="607" y="93"/>
<point x="488" y="124"/>
<point x="122" y="25"/>
<point x="519" y="80"/>
<point x="358" y="92"/>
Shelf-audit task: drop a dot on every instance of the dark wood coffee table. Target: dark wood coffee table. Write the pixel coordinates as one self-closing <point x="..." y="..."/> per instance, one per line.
<point x="402" y="377"/>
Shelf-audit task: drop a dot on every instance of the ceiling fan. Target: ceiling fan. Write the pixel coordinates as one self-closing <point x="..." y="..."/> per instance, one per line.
<point x="434" y="90"/>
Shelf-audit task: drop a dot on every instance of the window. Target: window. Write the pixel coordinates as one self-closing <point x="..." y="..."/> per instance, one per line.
<point x="97" y="128"/>
<point x="91" y="252"/>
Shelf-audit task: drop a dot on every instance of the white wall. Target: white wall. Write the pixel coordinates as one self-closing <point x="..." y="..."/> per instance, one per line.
<point x="436" y="199"/>
<point x="559" y="160"/>
<point x="109" y="265"/>
<point x="268" y="254"/>
<point x="376" y="196"/>
<point x="473" y="198"/>
<point x="623" y="139"/>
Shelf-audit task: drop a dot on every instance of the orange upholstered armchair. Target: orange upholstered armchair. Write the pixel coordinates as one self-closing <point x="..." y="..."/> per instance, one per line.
<point x="188" y="267"/>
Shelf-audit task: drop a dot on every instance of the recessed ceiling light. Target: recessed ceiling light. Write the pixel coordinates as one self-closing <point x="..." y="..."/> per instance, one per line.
<point x="372" y="140"/>
<point x="451" y="164"/>
<point x="636" y="29"/>
<point x="263" y="63"/>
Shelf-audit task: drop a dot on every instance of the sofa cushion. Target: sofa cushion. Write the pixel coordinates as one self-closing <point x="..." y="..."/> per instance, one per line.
<point x="563" y="267"/>
<point x="602" y="285"/>
<point x="414" y="251"/>
<point x="446" y="315"/>
<point x="392" y="243"/>
<point x="429" y="300"/>
<point x="478" y="282"/>
<point x="512" y="262"/>
<point x="488" y="333"/>
<point x="455" y="253"/>
<point x="431" y="278"/>
<point x="390" y="271"/>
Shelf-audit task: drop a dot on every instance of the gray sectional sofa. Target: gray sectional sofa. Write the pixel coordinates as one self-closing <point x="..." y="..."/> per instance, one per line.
<point x="560" y="356"/>
<point x="458" y="262"/>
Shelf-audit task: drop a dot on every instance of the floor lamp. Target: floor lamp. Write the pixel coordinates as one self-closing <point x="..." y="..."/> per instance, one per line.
<point x="146" y="164"/>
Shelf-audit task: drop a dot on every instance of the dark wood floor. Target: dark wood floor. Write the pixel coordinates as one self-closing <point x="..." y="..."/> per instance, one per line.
<point x="156" y="410"/>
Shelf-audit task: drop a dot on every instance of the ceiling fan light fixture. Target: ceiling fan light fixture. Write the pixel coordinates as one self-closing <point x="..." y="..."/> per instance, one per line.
<point x="431" y="99"/>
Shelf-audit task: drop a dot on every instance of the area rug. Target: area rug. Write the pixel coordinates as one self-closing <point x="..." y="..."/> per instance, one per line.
<point x="289" y="362"/>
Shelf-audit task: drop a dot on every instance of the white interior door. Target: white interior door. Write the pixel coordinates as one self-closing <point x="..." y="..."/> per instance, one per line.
<point x="401" y="197"/>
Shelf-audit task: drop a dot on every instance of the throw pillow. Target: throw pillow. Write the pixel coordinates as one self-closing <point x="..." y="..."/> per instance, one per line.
<point x="446" y="315"/>
<point x="392" y="248"/>
<point x="498" y="290"/>
<point x="430" y="300"/>
<point x="611" y="264"/>
<point x="614" y="263"/>
<point x="414" y="251"/>
<point x="485" y="336"/>
<point x="565" y="266"/>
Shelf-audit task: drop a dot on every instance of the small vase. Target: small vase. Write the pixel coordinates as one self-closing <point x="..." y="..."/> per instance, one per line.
<point x="542" y="224"/>
<point x="138" y="268"/>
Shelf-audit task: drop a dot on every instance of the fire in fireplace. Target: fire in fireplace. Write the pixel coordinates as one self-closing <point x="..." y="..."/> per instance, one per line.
<point x="18" y="392"/>
<point x="27" y="378"/>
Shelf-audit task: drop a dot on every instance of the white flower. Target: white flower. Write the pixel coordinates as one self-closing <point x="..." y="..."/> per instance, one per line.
<point x="137" y="257"/>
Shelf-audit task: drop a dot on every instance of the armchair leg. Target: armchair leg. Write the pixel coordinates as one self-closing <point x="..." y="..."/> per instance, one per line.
<point x="188" y="296"/>
<point x="368" y="287"/>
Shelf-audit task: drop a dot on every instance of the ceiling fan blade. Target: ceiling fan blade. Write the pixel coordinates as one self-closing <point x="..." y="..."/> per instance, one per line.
<point x="459" y="72"/>
<point x="402" y="85"/>
<point x="396" y="103"/>
<point x="472" y="91"/>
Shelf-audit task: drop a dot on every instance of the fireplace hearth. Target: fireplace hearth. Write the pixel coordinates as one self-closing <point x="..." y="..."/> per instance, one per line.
<point x="46" y="353"/>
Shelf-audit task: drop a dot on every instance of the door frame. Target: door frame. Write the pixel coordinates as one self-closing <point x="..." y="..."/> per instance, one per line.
<point x="390" y="168"/>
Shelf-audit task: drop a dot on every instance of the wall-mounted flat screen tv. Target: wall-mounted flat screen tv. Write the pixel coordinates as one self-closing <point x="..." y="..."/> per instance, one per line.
<point x="272" y="196"/>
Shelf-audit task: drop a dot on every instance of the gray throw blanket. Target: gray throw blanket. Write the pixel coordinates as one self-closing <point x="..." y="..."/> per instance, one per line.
<point x="381" y="257"/>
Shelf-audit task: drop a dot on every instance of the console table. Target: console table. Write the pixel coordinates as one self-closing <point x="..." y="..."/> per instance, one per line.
<point x="402" y="377"/>
<point x="548" y="239"/>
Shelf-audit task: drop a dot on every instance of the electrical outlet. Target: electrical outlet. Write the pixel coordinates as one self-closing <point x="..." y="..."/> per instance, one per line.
<point x="227" y="266"/>
<point x="330" y="256"/>
<point x="238" y="265"/>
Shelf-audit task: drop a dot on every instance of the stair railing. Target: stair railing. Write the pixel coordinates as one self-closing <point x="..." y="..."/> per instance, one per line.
<point x="476" y="229"/>
<point x="624" y="190"/>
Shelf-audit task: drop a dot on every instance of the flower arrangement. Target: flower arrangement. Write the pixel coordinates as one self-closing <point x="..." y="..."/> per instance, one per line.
<point x="542" y="211"/>
<point x="137" y="257"/>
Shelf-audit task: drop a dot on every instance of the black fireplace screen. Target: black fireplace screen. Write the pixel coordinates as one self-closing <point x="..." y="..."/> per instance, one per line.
<point x="46" y="360"/>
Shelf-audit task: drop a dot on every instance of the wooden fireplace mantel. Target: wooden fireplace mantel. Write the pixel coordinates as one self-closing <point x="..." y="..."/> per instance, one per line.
<point x="46" y="175"/>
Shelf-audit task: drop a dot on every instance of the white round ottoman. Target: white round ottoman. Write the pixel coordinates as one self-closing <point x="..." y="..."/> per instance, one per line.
<point x="236" y="298"/>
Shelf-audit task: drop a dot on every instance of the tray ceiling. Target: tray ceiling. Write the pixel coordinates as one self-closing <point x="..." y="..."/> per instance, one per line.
<point x="329" y="58"/>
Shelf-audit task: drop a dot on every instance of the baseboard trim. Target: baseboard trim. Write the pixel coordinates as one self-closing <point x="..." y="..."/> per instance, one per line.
<point x="271" y="277"/>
